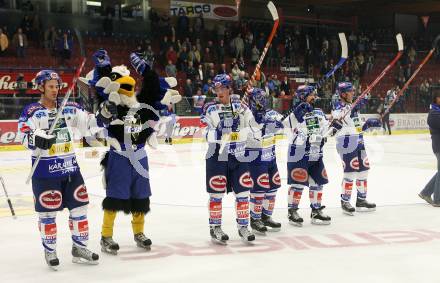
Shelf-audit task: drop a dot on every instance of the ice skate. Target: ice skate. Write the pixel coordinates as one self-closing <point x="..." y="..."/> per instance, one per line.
<point x="108" y="245"/>
<point x="362" y="205"/>
<point x="142" y="241"/>
<point x="258" y="227"/>
<point x="246" y="235"/>
<point x="84" y="256"/>
<point x="52" y="260"/>
<point x="319" y="218"/>
<point x="294" y="217"/>
<point x="218" y="236"/>
<point x="270" y="224"/>
<point x="347" y="208"/>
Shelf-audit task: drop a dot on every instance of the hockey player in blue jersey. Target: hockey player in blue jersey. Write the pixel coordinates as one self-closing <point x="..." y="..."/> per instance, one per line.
<point x="307" y="127"/>
<point x="351" y="148"/>
<point x="226" y="165"/>
<point x="263" y="165"/>
<point x="57" y="182"/>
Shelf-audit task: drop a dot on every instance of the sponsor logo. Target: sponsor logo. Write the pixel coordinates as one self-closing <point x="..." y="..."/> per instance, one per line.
<point x="51" y="199"/>
<point x="225" y="12"/>
<point x="80" y="194"/>
<point x="354" y="163"/>
<point x="276" y="179"/>
<point x="218" y="183"/>
<point x="263" y="181"/>
<point x="366" y="163"/>
<point x="299" y="175"/>
<point x="324" y="173"/>
<point x="83" y="226"/>
<point x="50" y="229"/>
<point x="246" y="180"/>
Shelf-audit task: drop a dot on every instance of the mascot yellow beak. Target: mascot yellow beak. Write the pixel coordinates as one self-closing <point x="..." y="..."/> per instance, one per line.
<point x="127" y="85"/>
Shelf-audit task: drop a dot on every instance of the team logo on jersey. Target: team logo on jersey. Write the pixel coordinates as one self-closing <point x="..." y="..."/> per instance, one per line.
<point x="276" y="179"/>
<point x="354" y="163"/>
<point x="366" y="162"/>
<point x="246" y="180"/>
<point x="299" y="175"/>
<point x="80" y="194"/>
<point x="218" y="183"/>
<point x="51" y="199"/>
<point x="263" y="181"/>
<point x="324" y="173"/>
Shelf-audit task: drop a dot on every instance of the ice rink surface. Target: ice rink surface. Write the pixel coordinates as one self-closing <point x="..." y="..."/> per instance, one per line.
<point x="400" y="242"/>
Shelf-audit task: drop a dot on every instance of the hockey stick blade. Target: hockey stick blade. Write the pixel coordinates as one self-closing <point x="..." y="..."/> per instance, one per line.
<point x="399" y="41"/>
<point x="273" y="10"/>
<point x="344" y="45"/>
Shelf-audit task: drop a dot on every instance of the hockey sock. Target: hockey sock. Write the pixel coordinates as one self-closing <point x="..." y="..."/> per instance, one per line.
<point x="215" y="209"/>
<point x="108" y="223"/>
<point x="361" y="184"/>
<point x="79" y="226"/>
<point x="242" y="208"/>
<point x="361" y="189"/>
<point x="269" y="203"/>
<point x="347" y="187"/>
<point x="295" y="193"/>
<point x="256" y="205"/>
<point x="48" y="230"/>
<point x="137" y="222"/>
<point x="315" y="195"/>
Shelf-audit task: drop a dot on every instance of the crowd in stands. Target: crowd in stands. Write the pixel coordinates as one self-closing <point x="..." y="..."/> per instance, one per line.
<point x="15" y="42"/>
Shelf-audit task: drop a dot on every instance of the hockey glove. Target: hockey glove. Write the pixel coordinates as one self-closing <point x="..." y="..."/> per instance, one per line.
<point x="371" y="123"/>
<point x="301" y="110"/>
<point x="336" y="125"/>
<point x="40" y="139"/>
<point x="138" y="63"/>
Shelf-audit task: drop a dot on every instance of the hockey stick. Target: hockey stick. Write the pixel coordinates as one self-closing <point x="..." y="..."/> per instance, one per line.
<point x="344" y="56"/>
<point x="58" y="116"/>
<point x="408" y="82"/>
<point x="377" y="80"/>
<point x="7" y="198"/>
<point x="273" y="11"/>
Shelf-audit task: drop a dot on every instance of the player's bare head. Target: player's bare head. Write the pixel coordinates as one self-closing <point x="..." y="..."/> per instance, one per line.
<point x="346" y="91"/>
<point x="49" y="83"/>
<point x="222" y="87"/>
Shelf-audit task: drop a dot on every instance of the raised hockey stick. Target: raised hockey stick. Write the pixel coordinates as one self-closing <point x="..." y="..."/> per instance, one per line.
<point x="58" y="116"/>
<point x="344" y="56"/>
<point x="377" y="80"/>
<point x="408" y="82"/>
<point x="7" y="198"/>
<point x="273" y="11"/>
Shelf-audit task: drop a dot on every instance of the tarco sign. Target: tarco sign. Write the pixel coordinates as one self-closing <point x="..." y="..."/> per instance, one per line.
<point x="209" y="11"/>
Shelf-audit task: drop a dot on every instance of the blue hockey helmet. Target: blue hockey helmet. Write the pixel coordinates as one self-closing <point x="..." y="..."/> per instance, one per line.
<point x="303" y="91"/>
<point x="47" y="75"/>
<point x="344" y="87"/>
<point x="221" y="80"/>
<point x="257" y="100"/>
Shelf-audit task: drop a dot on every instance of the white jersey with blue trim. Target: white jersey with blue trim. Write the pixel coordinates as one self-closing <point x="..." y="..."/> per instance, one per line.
<point x="352" y="125"/>
<point x="60" y="159"/>
<point x="262" y="138"/>
<point x="310" y="131"/>
<point x="235" y="140"/>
